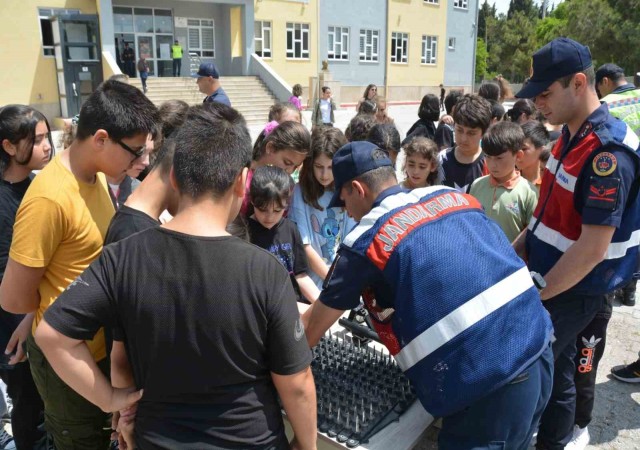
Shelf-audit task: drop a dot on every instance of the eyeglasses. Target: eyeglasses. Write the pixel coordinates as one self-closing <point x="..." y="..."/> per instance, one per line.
<point x="137" y="153"/>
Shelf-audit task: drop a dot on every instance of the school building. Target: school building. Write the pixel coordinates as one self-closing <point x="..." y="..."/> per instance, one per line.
<point x="56" y="51"/>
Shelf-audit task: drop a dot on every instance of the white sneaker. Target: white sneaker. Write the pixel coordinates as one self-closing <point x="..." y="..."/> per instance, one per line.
<point x="580" y="439"/>
<point x="6" y="441"/>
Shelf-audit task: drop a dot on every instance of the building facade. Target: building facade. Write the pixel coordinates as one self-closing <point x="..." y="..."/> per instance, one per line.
<point x="460" y="43"/>
<point x="352" y="40"/>
<point x="406" y="47"/>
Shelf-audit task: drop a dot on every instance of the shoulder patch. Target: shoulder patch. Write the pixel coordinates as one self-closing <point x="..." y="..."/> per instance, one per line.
<point x="604" y="164"/>
<point x="603" y="193"/>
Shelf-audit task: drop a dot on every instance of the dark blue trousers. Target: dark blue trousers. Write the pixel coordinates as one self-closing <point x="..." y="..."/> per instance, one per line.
<point x="506" y="418"/>
<point x="570" y="314"/>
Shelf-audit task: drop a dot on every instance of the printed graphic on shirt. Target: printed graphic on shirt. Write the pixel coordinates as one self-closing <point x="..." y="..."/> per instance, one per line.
<point x="329" y="229"/>
<point x="603" y="193"/>
<point x="604" y="164"/>
<point x="298" y="331"/>
<point x="284" y="253"/>
<point x="513" y="208"/>
<point x="76" y="282"/>
<point x="587" y="354"/>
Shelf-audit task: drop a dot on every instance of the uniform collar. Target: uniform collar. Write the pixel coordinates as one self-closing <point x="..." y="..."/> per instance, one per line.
<point x="597" y="117"/>
<point x="624" y="88"/>
<point x="386" y="193"/>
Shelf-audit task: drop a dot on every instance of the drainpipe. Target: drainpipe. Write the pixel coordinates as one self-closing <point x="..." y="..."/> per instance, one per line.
<point x="475" y="45"/>
<point x="386" y="53"/>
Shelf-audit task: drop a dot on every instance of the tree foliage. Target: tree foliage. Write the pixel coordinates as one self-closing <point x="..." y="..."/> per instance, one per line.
<point x="609" y="27"/>
<point x="481" y="60"/>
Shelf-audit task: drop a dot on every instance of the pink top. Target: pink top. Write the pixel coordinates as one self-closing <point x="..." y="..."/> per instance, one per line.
<point x="296" y="101"/>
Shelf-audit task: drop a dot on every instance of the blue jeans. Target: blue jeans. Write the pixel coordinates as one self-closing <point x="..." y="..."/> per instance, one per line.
<point x="506" y="418"/>
<point x="570" y="314"/>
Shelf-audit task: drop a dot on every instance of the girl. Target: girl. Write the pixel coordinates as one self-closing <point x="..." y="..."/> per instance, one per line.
<point x="421" y="166"/>
<point x="428" y="113"/>
<point x="323" y="110"/>
<point x="321" y="229"/>
<point x="381" y="113"/>
<point x="269" y="229"/>
<point x="295" y="98"/>
<point x="522" y="111"/>
<point x="26" y="145"/>
<point x="283" y="145"/>
<point x="369" y="93"/>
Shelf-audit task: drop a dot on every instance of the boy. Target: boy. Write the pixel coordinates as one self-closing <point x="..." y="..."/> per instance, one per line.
<point x="190" y="301"/>
<point x="461" y="164"/>
<point x="444" y="132"/>
<point x="506" y="197"/>
<point x="59" y="230"/>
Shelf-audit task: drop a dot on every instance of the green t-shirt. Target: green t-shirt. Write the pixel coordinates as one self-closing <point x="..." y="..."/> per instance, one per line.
<point x="510" y="208"/>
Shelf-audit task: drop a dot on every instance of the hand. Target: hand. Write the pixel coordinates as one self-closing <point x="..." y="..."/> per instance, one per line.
<point x="17" y="339"/>
<point x="123" y="398"/>
<point x="295" y="445"/>
<point x="125" y="434"/>
<point x="446" y="119"/>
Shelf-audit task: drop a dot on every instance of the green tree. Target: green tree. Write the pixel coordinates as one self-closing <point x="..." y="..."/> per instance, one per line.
<point x="481" y="59"/>
<point x="483" y="15"/>
<point x="524" y="6"/>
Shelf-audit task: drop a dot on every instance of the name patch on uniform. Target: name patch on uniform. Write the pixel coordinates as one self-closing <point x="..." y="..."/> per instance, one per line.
<point x="391" y="233"/>
<point x="604" y="164"/>
<point x="603" y="193"/>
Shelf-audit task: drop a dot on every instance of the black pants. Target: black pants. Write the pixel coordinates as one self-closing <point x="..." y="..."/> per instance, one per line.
<point x="570" y="314"/>
<point x="27" y="405"/>
<point x="177" y="67"/>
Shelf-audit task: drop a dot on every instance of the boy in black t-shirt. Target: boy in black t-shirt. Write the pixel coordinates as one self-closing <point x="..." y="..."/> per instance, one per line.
<point x="209" y="322"/>
<point x="270" y="191"/>
<point x="461" y="164"/>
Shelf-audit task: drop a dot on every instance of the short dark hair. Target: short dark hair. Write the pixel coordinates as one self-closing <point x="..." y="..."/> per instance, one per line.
<point x="375" y="179"/>
<point x="523" y="105"/>
<point x="214" y="148"/>
<point x="429" y="108"/>
<point x="367" y="107"/>
<point x="589" y="72"/>
<point x="297" y="90"/>
<point x="288" y="135"/>
<point x="497" y="110"/>
<point x="163" y="161"/>
<point x="473" y="111"/>
<point x="451" y="99"/>
<point x="18" y="124"/>
<point x="489" y="90"/>
<point x="325" y="89"/>
<point x="502" y="137"/>
<point x="270" y="185"/>
<point x="120" y="109"/>
<point x="536" y="132"/>
<point x="359" y="127"/>
<point x="172" y="114"/>
<point x="277" y="110"/>
<point x="324" y="141"/>
<point x="385" y="136"/>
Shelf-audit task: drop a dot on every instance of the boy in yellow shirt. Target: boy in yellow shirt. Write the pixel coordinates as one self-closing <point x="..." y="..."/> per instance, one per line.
<point x="59" y="230"/>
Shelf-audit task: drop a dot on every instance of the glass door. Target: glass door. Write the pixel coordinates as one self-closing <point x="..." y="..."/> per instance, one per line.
<point x="145" y="43"/>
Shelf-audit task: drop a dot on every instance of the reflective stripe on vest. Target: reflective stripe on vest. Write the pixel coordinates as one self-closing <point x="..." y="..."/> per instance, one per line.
<point x="626" y="107"/>
<point x="464" y="317"/>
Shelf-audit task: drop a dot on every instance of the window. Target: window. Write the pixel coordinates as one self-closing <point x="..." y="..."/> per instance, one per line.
<point x="46" y="30"/>
<point x="462" y="4"/>
<point x="262" y="33"/>
<point x="338" y="43"/>
<point x="429" y="49"/>
<point x="399" y="47"/>
<point x="432" y="2"/>
<point x="369" y="40"/>
<point x="452" y="43"/>
<point x="297" y="40"/>
<point x="201" y="40"/>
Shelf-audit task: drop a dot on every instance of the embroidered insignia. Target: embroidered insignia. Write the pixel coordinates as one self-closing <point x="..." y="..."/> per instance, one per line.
<point x="604" y="164"/>
<point x="603" y="193"/>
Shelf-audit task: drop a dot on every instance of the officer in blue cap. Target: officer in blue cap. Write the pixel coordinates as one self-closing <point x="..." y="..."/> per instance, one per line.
<point x="584" y="234"/>
<point x="208" y="80"/>
<point x="474" y="343"/>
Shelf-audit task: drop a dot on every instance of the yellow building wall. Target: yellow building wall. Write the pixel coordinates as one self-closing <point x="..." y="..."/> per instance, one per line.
<point x="28" y="77"/>
<point x="417" y="18"/>
<point x="279" y="12"/>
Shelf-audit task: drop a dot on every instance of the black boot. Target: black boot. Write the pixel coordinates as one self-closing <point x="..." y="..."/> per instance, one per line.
<point x="629" y="293"/>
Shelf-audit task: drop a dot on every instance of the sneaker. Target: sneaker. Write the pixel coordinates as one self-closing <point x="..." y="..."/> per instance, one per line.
<point x="629" y="373"/>
<point x="628" y="298"/>
<point x="580" y="439"/>
<point x="6" y="441"/>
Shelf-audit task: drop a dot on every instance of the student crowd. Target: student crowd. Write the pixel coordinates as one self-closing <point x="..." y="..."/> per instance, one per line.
<point x="151" y="272"/>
